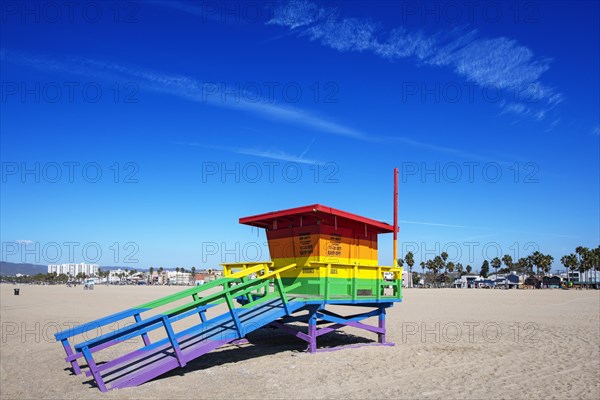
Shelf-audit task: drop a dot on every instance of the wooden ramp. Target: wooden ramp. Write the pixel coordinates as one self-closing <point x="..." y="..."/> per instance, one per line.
<point x="145" y="364"/>
<point x="255" y="297"/>
<point x="264" y="300"/>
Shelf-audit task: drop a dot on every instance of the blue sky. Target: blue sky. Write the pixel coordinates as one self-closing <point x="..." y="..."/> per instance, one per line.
<point x="137" y="133"/>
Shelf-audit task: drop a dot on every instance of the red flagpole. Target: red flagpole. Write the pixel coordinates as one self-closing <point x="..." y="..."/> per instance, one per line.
<point x="395" y="217"/>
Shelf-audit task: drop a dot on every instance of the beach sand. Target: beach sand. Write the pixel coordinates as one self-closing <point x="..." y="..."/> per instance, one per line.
<point x="450" y="343"/>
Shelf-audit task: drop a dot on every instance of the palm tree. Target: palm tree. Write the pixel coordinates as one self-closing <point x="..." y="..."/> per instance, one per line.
<point x="410" y="261"/>
<point x="564" y="260"/>
<point x="597" y="260"/>
<point x="508" y="261"/>
<point x="450" y="268"/>
<point x="430" y="265"/>
<point x="469" y="269"/>
<point x="524" y="265"/>
<point x="570" y="263"/>
<point x="437" y="265"/>
<point x="485" y="269"/>
<point x="444" y="257"/>
<point x="595" y="263"/>
<point x="537" y="260"/>
<point x="496" y="263"/>
<point x="548" y="260"/>
<point x="459" y="269"/>
<point x="574" y="264"/>
<point x="543" y="262"/>
<point x="583" y="253"/>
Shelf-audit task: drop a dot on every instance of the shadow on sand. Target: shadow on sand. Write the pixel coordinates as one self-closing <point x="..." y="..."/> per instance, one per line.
<point x="262" y="342"/>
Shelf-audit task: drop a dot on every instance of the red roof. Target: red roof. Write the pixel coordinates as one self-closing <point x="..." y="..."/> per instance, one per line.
<point x="293" y="216"/>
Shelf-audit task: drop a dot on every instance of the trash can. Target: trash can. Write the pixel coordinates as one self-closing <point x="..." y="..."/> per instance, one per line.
<point x="17" y="291"/>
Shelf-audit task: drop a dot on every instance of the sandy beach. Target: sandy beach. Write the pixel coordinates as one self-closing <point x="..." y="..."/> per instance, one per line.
<point x="450" y="343"/>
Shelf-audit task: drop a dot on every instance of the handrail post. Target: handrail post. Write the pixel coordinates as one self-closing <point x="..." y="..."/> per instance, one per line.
<point x="173" y="340"/>
<point x="379" y="286"/>
<point x="354" y="278"/>
<point x="234" y="316"/>
<point x="327" y="272"/>
<point x="399" y="284"/>
<point x="249" y="294"/>
<point x="69" y="351"/>
<point x="145" y="337"/>
<point x="195" y="297"/>
<point x="282" y="293"/>
<point x="93" y="368"/>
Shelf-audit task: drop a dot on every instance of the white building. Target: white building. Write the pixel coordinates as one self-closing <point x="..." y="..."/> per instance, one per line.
<point x="591" y="276"/>
<point x="468" y="281"/>
<point x="117" y="275"/>
<point x="511" y="280"/>
<point x="74" y="269"/>
<point x="178" y="278"/>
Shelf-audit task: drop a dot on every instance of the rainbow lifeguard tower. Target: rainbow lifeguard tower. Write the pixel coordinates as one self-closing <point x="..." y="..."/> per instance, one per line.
<point x="335" y="252"/>
<point x="322" y="260"/>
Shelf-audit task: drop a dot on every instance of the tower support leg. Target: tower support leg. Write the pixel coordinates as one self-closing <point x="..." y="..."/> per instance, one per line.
<point x="312" y="331"/>
<point x="381" y="324"/>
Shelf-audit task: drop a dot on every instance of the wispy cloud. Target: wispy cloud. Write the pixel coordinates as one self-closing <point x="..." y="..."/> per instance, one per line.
<point x="191" y="89"/>
<point x="272" y="154"/>
<point x="500" y="63"/>
<point x="308" y="147"/>
<point x="24" y="242"/>
<point x="207" y="93"/>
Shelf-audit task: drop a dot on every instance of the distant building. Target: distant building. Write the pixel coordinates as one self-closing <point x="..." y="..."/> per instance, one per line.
<point x="533" y="281"/>
<point x="552" y="282"/>
<point x="511" y="280"/>
<point x="200" y="278"/>
<point x="591" y="276"/>
<point x="73" y="269"/>
<point x="468" y="281"/>
<point x="218" y="273"/>
<point x="117" y="275"/>
<point x="406" y="278"/>
<point x="178" y="278"/>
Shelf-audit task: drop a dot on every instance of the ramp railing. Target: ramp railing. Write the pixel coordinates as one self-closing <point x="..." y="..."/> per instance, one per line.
<point x="234" y="284"/>
<point x="354" y="271"/>
<point x="380" y="278"/>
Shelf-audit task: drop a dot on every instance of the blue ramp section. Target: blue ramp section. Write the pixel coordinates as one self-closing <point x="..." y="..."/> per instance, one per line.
<point x="154" y="360"/>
